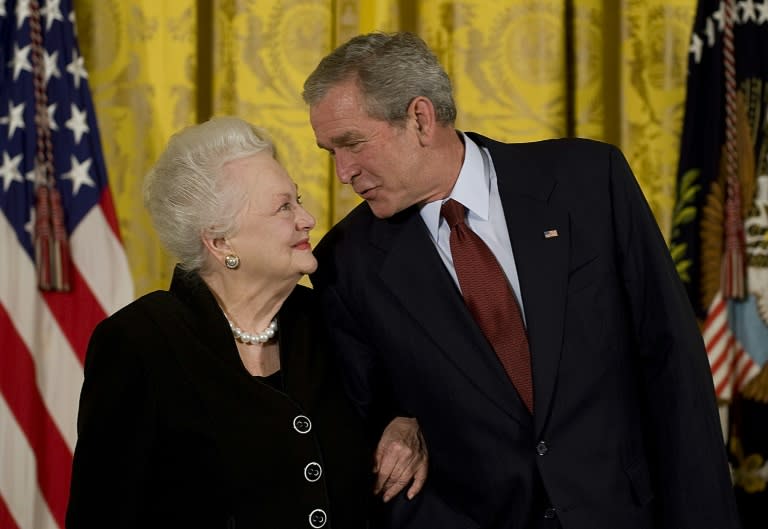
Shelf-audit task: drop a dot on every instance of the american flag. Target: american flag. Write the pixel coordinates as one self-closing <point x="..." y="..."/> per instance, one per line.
<point x="717" y="241"/>
<point x="44" y="334"/>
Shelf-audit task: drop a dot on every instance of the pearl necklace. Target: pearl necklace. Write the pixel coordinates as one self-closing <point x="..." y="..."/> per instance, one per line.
<point x="253" y="338"/>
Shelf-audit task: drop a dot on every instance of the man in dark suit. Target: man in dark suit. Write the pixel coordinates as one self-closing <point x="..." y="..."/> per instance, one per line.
<point x="620" y="429"/>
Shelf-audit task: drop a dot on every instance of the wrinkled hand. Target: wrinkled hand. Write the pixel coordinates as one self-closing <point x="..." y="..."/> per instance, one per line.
<point x="401" y="457"/>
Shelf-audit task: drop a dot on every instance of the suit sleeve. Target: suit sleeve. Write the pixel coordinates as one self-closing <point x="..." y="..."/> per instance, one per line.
<point x="690" y="467"/>
<point x="426" y="509"/>
<point x="364" y="383"/>
<point x="368" y="388"/>
<point x="115" y="430"/>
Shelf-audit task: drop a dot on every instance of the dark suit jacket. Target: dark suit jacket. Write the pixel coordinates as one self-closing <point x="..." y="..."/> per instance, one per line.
<point x="625" y="431"/>
<point x="173" y="432"/>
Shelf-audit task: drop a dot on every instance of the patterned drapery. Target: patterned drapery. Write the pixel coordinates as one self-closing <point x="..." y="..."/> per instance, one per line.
<point x="523" y="70"/>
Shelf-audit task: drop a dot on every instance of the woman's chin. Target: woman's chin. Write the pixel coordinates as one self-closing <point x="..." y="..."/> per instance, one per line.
<point x="310" y="268"/>
<point x="306" y="263"/>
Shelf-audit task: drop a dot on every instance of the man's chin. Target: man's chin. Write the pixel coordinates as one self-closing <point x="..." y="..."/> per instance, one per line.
<point x="381" y="210"/>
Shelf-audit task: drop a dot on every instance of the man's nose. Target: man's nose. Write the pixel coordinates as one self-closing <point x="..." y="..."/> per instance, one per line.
<point x="346" y="168"/>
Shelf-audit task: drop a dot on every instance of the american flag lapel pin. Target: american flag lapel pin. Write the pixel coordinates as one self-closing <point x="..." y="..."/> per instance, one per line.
<point x="550" y="234"/>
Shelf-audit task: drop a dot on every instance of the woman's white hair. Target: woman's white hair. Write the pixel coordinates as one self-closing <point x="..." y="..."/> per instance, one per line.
<point x="187" y="193"/>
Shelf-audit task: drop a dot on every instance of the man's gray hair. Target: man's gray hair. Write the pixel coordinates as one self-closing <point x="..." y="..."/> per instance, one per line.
<point x="391" y="69"/>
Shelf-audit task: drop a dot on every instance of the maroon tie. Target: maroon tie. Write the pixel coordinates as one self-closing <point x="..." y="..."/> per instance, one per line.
<point x="490" y="299"/>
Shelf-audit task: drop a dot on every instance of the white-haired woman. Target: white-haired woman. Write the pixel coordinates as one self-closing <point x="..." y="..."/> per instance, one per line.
<point x="215" y="404"/>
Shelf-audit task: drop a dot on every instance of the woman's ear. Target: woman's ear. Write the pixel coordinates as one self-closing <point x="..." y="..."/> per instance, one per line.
<point x="219" y="247"/>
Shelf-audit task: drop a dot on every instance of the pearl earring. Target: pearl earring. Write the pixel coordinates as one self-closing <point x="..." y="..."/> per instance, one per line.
<point x="232" y="261"/>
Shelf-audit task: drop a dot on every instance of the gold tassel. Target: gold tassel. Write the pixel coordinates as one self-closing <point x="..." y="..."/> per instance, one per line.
<point x="52" y="255"/>
<point x="42" y="237"/>
<point x="60" y="258"/>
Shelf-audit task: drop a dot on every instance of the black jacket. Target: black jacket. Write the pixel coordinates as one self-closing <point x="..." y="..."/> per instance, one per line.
<point x="174" y="432"/>
<point x="625" y="431"/>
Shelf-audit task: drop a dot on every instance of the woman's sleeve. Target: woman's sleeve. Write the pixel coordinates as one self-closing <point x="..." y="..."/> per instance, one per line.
<point x="115" y="425"/>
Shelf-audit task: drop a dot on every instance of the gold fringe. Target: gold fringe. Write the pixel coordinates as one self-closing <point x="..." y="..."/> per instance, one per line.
<point x="757" y="388"/>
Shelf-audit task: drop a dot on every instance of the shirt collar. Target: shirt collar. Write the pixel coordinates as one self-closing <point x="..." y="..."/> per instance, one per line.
<point x="472" y="188"/>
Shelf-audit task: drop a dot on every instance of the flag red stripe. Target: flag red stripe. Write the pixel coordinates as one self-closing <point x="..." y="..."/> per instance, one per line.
<point x="722" y="386"/>
<point x="718" y="362"/>
<point x="108" y="209"/>
<point x="6" y="520"/>
<point x="19" y="389"/>
<point x="710" y="323"/>
<point x="727" y="380"/>
<point x="719" y="331"/>
<point x="743" y="373"/>
<point x="715" y="311"/>
<point x="77" y="325"/>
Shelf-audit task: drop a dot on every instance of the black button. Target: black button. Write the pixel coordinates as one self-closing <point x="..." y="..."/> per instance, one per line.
<point x="313" y="471"/>
<point x="302" y="424"/>
<point x="317" y="518"/>
<point x="550" y="513"/>
<point x="542" y="448"/>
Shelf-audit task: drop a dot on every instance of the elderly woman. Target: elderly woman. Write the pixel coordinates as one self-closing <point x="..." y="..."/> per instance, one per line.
<point x="215" y="404"/>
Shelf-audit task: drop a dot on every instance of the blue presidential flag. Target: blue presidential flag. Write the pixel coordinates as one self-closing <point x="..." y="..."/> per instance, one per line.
<point x="719" y="240"/>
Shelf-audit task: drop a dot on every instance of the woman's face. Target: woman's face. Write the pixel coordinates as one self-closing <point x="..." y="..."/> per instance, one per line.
<point x="273" y="235"/>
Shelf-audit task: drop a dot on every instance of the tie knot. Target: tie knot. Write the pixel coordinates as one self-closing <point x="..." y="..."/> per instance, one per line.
<point x="453" y="212"/>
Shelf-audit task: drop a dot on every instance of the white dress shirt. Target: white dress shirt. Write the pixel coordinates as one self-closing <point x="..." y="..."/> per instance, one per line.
<point x="477" y="189"/>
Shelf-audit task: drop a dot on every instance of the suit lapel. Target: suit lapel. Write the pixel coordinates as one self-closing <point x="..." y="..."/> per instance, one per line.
<point x="541" y="259"/>
<point x="415" y="274"/>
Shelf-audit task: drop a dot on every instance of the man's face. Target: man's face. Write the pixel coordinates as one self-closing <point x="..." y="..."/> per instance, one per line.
<point x="382" y="162"/>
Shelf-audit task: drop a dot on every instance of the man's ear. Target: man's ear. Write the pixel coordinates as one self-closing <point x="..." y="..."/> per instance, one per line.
<point x="422" y="111"/>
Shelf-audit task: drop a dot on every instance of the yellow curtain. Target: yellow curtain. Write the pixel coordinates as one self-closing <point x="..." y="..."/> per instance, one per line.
<point x="141" y="59"/>
<point x="523" y="70"/>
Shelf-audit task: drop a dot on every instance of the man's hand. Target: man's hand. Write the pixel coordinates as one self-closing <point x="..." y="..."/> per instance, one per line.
<point x="401" y="456"/>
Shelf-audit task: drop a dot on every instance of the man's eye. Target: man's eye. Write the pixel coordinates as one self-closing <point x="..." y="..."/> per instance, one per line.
<point x="299" y="199"/>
